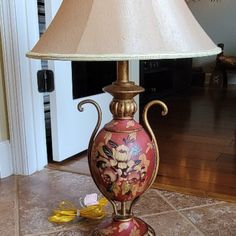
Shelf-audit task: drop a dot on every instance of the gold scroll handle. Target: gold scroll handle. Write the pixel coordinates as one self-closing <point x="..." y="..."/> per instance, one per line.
<point x="99" y="111"/>
<point x="149" y="130"/>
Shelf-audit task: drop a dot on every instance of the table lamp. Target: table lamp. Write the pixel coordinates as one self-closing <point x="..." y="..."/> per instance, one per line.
<point x="123" y="156"/>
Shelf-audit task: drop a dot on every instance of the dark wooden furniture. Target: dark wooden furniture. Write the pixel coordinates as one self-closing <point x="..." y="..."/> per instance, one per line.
<point x="162" y="78"/>
<point x="223" y="64"/>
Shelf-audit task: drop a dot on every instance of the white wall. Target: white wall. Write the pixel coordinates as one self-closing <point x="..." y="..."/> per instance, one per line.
<point x="218" y="19"/>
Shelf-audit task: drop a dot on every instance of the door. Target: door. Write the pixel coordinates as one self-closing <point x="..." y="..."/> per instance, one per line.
<point x="71" y="129"/>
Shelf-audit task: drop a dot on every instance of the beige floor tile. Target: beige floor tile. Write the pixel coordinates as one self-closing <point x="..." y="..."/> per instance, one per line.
<point x="171" y="224"/>
<point x="7" y="219"/>
<point x="8" y="189"/>
<point x="77" y="165"/>
<point x="42" y="192"/>
<point x="218" y="220"/>
<point x="182" y="201"/>
<point x="8" y="207"/>
<point x="151" y="203"/>
<point x="65" y="233"/>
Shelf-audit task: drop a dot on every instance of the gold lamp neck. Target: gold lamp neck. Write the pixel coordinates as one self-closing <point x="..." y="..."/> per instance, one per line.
<point x="122" y="72"/>
<point x="123" y="91"/>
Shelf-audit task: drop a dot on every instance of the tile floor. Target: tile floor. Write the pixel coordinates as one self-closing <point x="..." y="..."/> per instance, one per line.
<point x="26" y="202"/>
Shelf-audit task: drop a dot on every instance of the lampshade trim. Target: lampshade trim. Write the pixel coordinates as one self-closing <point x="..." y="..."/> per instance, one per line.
<point x="121" y="57"/>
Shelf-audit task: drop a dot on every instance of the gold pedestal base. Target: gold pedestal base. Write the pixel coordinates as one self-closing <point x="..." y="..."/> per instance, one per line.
<point x="105" y="229"/>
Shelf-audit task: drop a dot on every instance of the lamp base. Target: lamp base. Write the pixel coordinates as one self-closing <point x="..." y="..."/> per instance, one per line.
<point x="133" y="226"/>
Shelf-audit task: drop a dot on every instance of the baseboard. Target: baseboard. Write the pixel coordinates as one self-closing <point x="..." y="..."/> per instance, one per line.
<point x="6" y="168"/>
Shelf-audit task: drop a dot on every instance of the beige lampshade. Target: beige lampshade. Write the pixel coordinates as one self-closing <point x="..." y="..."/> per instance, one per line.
<point x="123" y="30"/>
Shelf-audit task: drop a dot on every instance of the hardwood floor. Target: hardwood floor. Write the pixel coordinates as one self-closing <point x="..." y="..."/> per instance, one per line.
<point x="197" y="143"/>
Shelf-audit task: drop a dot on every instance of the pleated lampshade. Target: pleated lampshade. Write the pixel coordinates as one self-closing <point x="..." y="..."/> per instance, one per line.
<point x="103" y="30"/>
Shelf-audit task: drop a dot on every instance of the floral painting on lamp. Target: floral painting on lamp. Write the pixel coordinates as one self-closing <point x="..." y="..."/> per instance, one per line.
<point x="123" y="161"/>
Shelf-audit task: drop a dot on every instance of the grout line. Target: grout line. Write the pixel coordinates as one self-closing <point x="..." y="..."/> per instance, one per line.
<point x="189" y="221"/>
<point x="157" y="214"/>
<point x="197" y="193"/>
<point x="53" y="231"/>
<point x="17" y="214"/>
<point x="67" y="169"/>
<point x="201" y="206"/>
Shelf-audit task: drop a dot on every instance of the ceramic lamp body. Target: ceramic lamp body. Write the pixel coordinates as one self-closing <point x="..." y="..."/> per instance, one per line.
<point x="123" y="159"/>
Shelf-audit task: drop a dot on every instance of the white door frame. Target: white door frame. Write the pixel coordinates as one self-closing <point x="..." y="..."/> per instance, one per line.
<point x="25" y="105"/>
